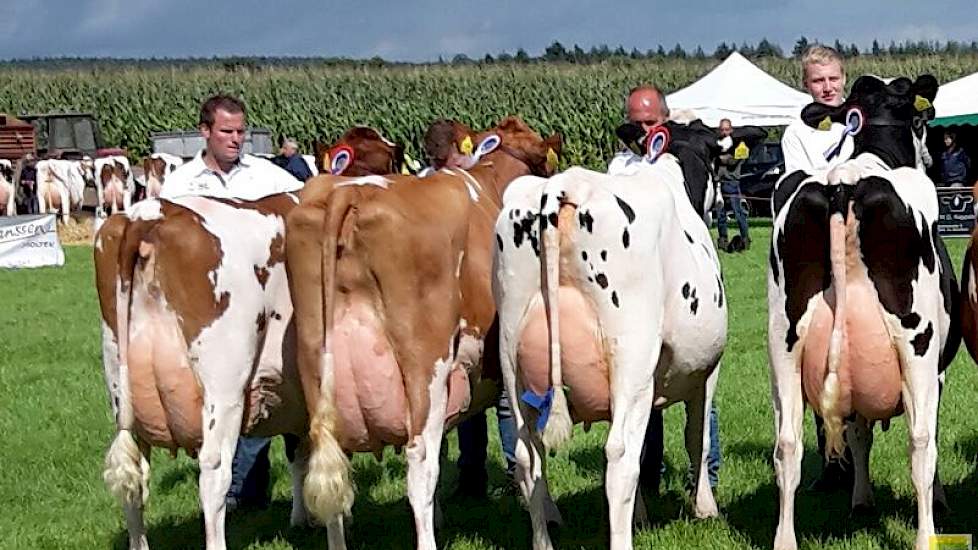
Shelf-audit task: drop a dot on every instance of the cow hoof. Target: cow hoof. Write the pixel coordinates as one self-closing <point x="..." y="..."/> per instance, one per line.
<point x="863" y="510"/>
<point x="552" y="514"/>
<point x="640" y="517"/>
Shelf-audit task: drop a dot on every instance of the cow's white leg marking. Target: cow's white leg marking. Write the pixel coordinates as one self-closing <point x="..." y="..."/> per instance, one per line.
<point x="698" y="432"/>
<point x="65" y="203"/>
<point x="632" y="395"/>
<point x="422" y="456"/>
<point x="298" y="468"/>
<point x="860" y="439"/>
<point x="789" y="407"/>
<point x="335" y="537"/>
<point x="920" y="397"/>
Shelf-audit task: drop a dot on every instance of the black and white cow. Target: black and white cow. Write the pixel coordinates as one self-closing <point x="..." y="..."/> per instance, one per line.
<point x="611" y="303"/>
<point x="862" y="301"/>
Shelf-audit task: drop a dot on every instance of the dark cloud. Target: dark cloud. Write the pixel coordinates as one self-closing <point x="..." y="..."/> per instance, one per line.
<point x="425" y="29"/>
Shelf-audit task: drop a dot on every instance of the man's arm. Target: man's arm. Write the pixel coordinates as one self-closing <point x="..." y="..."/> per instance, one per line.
<point x="795" y="155"/>
<point x="299" y="168"/>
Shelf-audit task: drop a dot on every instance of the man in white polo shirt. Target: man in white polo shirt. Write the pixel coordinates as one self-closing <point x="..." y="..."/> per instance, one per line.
<point x="220" y="169"/>
<point x="804" y="147"/>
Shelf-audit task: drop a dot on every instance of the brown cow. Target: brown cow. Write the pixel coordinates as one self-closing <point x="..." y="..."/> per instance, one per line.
<point x="373" y="154"/>
<point x="391" y="281"/>
<point x="173" y="380"/>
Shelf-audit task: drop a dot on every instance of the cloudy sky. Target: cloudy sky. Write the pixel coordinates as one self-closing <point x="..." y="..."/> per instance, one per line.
<point x="421" y="30"/>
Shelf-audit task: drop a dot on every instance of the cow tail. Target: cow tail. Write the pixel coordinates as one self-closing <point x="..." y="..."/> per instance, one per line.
<point x="832" y="388"/>
<point x="122" y="473"/>
<point x="559" y="424"/>
<point x="328" y="488"/>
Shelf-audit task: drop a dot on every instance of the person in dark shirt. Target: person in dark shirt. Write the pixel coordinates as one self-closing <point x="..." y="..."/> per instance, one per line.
<point x="292" y="162"/>
<point x="955" y="162"/>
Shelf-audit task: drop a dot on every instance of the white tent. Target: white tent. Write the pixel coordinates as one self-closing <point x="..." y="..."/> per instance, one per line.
<point x="957" y="102"/>
<point x="739" y="90"/>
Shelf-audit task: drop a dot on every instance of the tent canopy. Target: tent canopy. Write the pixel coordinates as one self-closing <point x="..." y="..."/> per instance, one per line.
<point x="957" y="102"/>
<point x="739" y="90"/>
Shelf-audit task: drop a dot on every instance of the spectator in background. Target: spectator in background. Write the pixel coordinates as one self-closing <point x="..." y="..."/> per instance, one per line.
<point x="289" y="160"/>
<point x="732" y="156"/>
<point x="955" y="162"/>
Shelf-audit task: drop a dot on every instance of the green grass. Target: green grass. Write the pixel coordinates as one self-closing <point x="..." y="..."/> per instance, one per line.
<point x="55" y="419"/>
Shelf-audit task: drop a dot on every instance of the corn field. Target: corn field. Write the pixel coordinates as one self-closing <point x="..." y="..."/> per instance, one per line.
<point x="582" y="102"/>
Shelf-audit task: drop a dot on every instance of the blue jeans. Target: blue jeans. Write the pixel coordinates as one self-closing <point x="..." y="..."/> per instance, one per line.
<point x="473" y="438"/>
<point x="652" y="464"/>
<point x="731" y="192"/>
<point x="250" y="469"/>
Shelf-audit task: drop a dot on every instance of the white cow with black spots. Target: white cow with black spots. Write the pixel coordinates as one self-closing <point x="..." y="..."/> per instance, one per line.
<point x="611" y="303"/>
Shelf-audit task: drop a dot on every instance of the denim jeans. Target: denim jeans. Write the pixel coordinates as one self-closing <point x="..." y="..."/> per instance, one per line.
<point x="652" y="465"/>
<point x="731" y="192"/>
<point x="473" y="438"/>
<point x="250" y="469"/>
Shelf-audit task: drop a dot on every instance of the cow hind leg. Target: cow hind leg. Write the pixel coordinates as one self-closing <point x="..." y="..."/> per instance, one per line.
<point x="788" y="450"/>
<point x="860" y="438"/>
<point x="530" y="457"/>
<point x="127" y="477"/>
<point x="297" y="452"/>
<point x="423" y="453"/>
<point x="632" y="399"/>
<point x="222" y="424"/>
<point x="920" y="394"/>
<point x="698" y="446"/>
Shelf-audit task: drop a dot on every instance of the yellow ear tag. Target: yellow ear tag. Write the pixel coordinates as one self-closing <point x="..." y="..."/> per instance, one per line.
<point x="826" y="124"/>
<point x="741" y="152"/>
<point x="466" y="146"/>
<point x="404" y="165"/>
<point x="921" y="103"/>
<point x="552" y="157"/>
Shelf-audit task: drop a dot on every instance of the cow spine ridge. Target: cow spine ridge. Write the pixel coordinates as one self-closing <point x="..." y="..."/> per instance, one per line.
<point x="328" y="487"/>
<point x="559" y="424"/>
<point x="122" y="473"/>
<point x="834" y="442"/>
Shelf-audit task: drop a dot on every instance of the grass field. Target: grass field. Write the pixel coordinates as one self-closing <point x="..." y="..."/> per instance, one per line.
<point x="55" y="420"/>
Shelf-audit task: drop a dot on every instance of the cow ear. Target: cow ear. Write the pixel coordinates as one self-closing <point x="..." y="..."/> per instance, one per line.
<point x="342" y="157"/>
<point x="821" y="116"/>
<point x="924" y="90"/>
<point x="399" y="164"/>
<point x="633" y="136"/>
<point x="555" y="146"/>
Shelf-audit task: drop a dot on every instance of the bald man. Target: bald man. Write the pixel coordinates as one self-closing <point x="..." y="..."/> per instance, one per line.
<point x="646" y="105"/>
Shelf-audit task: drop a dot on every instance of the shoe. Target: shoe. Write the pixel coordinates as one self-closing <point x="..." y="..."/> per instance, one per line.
<point x="472" y="486"/>
<point x="722" y="243"/>
<point x="834" y="478"/>
<point x="233" y="504"/>
<point x="746" y="243"/>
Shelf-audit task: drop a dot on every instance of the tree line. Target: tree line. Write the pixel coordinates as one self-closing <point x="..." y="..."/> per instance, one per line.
<point x="556" y="52"/>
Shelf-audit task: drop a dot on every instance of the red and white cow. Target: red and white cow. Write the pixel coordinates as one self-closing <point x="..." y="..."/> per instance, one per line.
<point x="611" y="303"/>
<point x="862" y="299"/>
<point x="155" y="169"/>
<point x="198" y="343"/>
<point x="114" y="184"/>
<point x="61" y="185"/>
<point x="391" y="281"/>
